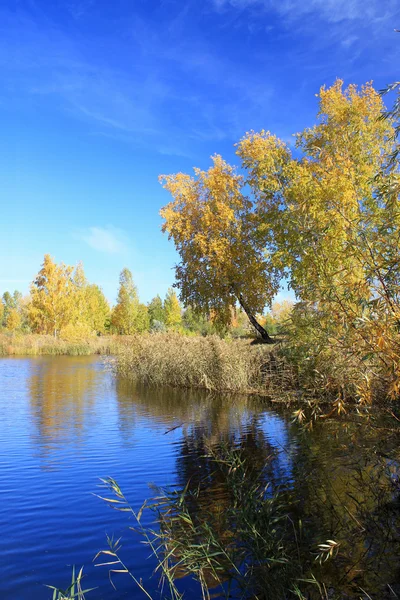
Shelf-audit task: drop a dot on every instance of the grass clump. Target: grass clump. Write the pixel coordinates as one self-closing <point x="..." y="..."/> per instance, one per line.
<point x="246" y="551"/>
<point x="74" y="591"/>
<point x="199" y="362"/>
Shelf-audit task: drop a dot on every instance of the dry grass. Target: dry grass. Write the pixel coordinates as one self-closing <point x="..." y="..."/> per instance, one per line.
<point x="202" y="362"/>
<point x="36" y="345"/>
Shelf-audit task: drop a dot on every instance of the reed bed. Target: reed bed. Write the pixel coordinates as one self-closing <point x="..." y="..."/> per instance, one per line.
<point x="208" y="363"/>
<point x="38" y="345"/>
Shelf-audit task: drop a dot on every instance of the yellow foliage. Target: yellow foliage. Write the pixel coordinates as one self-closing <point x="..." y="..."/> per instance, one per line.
<point x="212" y="224"/>
<point x="52" y="303"/>
<point x="327" y="218"/>
<point x="172" y="310"/>
<point x="62" y="298"/>
<point x="76" y="332"/>
<point x="13" y="320"/>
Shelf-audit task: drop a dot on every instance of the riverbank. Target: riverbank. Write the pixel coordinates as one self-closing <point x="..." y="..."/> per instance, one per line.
<point x="283" y="372"/>
<point x="290" y="370"/>
<point x="40" y="345"/>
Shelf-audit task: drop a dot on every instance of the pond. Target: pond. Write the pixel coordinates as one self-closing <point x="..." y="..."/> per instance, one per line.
<point x="66" y="422"/>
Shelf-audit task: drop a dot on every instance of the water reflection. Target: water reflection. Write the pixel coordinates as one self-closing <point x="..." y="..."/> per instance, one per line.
<point x="62" y="392"/>
<point x="336" y="477"/>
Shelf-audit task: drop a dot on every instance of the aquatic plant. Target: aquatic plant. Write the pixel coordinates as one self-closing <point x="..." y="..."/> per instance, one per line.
<point x="74" y="591"/>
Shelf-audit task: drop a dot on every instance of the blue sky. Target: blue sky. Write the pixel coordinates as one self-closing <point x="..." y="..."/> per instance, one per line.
<point x="98" y="98"/>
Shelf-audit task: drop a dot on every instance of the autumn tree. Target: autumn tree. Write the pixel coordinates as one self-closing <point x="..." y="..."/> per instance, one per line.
<point x="80" y="284"/>
<point x="97" y="313"/>
<point x="156" y="310"/>
<point x="322" y="217"/>
<point x="13" y="311"/>
<point x="52" y="305"/>
<point x="142" y="322"/>
<point x="91" y="309"/>
<point x="172" y="309"/>
<point x="333" y="223"/>
<point x="10" y="302"/>
<point x="128" y="316"/>
<point x="13" y="320"/>
<point x="199" y="323"/>
<point x="222" y="252"/>
<point x="318" y="207"/>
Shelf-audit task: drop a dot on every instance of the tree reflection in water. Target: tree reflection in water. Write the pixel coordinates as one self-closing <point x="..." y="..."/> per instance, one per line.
<point x="337" y="487"/>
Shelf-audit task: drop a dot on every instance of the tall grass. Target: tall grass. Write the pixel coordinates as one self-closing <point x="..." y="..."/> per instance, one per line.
<point x="74" y="591"/>
<point x="240" y="535"/>
<point x="37" y="345"/>
<point x="249" y="550"/>
<point x="202" y="362"/>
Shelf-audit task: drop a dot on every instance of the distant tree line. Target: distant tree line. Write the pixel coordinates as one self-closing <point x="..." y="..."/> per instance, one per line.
<point x="63" y="303"/>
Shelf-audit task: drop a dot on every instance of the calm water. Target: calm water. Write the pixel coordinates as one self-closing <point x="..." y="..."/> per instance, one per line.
<point x="65" y="422"/>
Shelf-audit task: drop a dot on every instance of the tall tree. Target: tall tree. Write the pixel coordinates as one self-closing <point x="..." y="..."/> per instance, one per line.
<point x="13" y="320"/>
<point x="317" y="208"/>
<point x="13" y="311"/>
<point x="156" y="310"/>
<point x="142" y="321"/>
<point x="80" y="284"/>
<point x="90" y="305"/>
<point x="97" y="309"/>
<point x="125" y="313"/>
<point x="313" y="218"/>
<point x="172" y="309"/>
<point x="10" y="302"/>
<point x="52" y="305"/>
<point x="222" y="259"/>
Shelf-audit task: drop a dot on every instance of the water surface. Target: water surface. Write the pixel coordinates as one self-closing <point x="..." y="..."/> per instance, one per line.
<point x="65" y="422"/>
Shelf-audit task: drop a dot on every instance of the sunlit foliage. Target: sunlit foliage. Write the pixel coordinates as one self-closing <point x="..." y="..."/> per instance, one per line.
<point x="52" y="306"/>
<point x="326" y="216"/>
<point x="172" y="310"/>
<point x="156" y="310"/>
<point x="214" y="227"/>
<point x="63" y="303"/>
<point x="128" y="315"/>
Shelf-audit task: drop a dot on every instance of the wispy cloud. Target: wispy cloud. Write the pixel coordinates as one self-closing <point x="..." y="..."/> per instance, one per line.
<point x="329" y="10"/>
<point x="104" y="239"/>
<point x="163" y="85"/>
<point x="175" y="90"/>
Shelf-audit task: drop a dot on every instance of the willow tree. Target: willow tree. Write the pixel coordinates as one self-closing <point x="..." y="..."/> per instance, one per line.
<point x="320" y="208"/>
<point x="334" y="224"/>
<point x="222" y="251"/>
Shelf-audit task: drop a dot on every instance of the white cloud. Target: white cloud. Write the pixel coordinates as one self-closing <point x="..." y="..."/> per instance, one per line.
<point x="105" y="239"/>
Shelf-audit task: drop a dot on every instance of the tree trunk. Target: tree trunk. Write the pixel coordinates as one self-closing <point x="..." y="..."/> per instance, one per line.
<point x="263" y="332"/>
